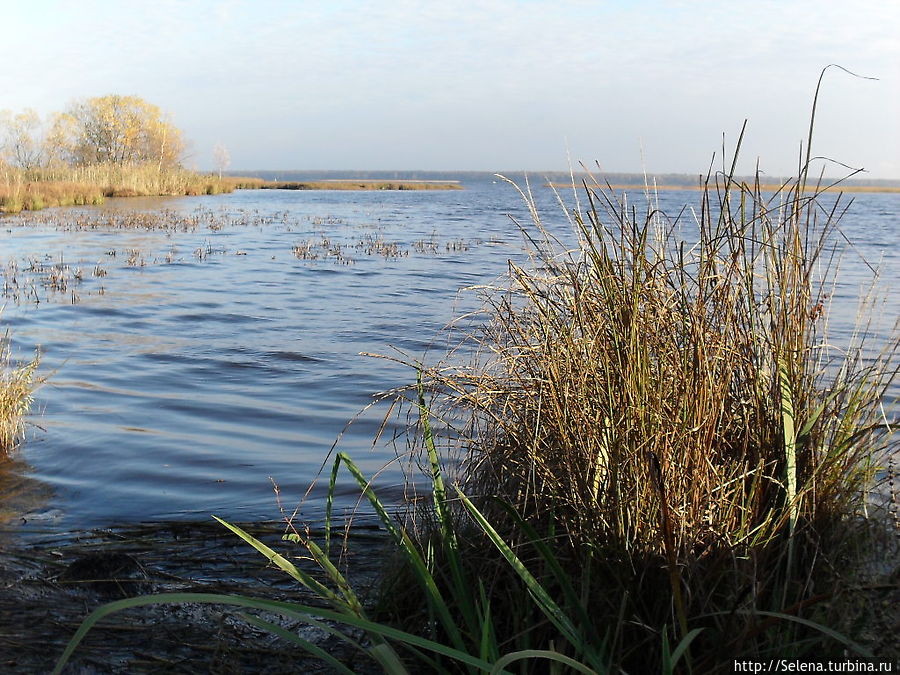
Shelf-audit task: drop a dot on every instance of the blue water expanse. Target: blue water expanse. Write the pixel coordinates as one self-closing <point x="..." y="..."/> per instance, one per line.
<point x="191" y="366"/>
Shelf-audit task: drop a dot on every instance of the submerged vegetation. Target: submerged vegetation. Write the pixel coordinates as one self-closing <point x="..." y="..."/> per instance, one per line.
<point x="658" y="462"/>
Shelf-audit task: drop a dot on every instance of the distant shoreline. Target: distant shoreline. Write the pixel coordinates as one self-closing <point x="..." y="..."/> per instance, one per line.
<point x="366" y="184"/>
<point x="841" y="187"/>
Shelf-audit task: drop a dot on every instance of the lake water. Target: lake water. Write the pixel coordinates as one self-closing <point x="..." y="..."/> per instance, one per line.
<point x="215" y="348"/>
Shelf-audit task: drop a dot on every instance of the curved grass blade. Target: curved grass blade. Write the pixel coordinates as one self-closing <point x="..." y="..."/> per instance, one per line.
<point x="305" y="613"/>
<point x="287" y="566"/>
<point x="540" y="654"/>
<point x="547" y="605"/>
<point x="306" y="645"/>
<point x="406" y="545"/>
<point x="349" y="603"/>
<point x="591" y="647"/>
<point x="670" y="660"/>
<point x="825" y="630"/>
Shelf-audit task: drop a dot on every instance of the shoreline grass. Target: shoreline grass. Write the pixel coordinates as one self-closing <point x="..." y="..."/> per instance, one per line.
<point x="657" y="462"/>
<point x="662" y="429"/>
<point x="17" y="384"/>
<point x="32" y="190"/>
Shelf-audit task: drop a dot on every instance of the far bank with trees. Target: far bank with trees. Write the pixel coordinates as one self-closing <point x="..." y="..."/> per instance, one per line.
<point x="107" y="146"/>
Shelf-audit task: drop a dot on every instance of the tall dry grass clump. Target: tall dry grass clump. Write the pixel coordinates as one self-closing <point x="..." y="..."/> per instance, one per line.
<point x="17" y="383"/>
<point x="660" y="404"/>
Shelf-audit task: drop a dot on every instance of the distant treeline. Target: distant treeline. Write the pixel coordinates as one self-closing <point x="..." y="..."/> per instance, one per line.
<point x="535" y="177"/>
<point x="108" y="146"/>
<point x="361" y="184"/>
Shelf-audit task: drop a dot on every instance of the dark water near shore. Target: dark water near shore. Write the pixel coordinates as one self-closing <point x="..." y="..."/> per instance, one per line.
<point x="191" y="363"/>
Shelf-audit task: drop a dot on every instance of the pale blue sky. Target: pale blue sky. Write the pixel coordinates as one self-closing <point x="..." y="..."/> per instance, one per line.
<point x="494" y="85"/>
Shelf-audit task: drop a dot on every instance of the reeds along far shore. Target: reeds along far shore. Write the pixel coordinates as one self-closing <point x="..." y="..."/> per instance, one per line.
<point x="72" y="186"/>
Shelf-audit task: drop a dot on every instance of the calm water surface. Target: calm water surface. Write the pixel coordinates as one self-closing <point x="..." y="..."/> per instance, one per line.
<point x="191" y="366"/>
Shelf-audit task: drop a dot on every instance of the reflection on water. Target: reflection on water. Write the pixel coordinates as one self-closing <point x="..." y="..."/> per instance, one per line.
<point x="23" y="500"/>
<point x="215" y="346"/>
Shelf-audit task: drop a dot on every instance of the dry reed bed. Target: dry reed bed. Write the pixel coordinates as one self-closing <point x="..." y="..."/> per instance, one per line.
<point x="36" y="189"/>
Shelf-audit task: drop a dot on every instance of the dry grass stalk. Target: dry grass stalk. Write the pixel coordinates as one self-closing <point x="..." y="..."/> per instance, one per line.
<point x="17" y="383"/>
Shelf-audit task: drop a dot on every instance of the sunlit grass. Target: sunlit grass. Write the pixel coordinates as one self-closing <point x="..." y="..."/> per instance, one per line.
<point x="73" y="186"/>
<point x="17" y="384"/>
<point x="657" y="463"/>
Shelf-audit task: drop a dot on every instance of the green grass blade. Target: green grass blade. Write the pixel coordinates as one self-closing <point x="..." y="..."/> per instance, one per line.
<point x="385" y="655"/>
<point x="790" y="442"/>
<point x="825" y="630"/>
<point x="540" y="654"/>
<point x="547" y="605"/>
<point x="683" y="646"/>
<point x="437" y="480"/>
<point x="666" y="656"/>
<point x="329" y="503"/>
<point x="306" y="645"/>
<point x="336" y="577"/>
<point x="790" y="452"/>
<point x="293" y="611"/>
<point x="487" y="646"/>
<point x="413" y="557"/>
<point x="285" y="565"/>
<point x="593" y="646"/>
<point x="303" y="613"/>
<point x="462" y="594"/>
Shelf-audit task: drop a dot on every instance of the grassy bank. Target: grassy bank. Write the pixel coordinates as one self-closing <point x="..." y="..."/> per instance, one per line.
<point x="72" y="186"/>
<point x="341" y="184"/>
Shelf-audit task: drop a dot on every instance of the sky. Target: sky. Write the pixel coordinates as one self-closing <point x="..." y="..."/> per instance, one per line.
<point x="498" y="85"/>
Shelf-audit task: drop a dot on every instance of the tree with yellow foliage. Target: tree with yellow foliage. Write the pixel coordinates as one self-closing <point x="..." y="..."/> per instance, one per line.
<point x="116" y="129"/>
